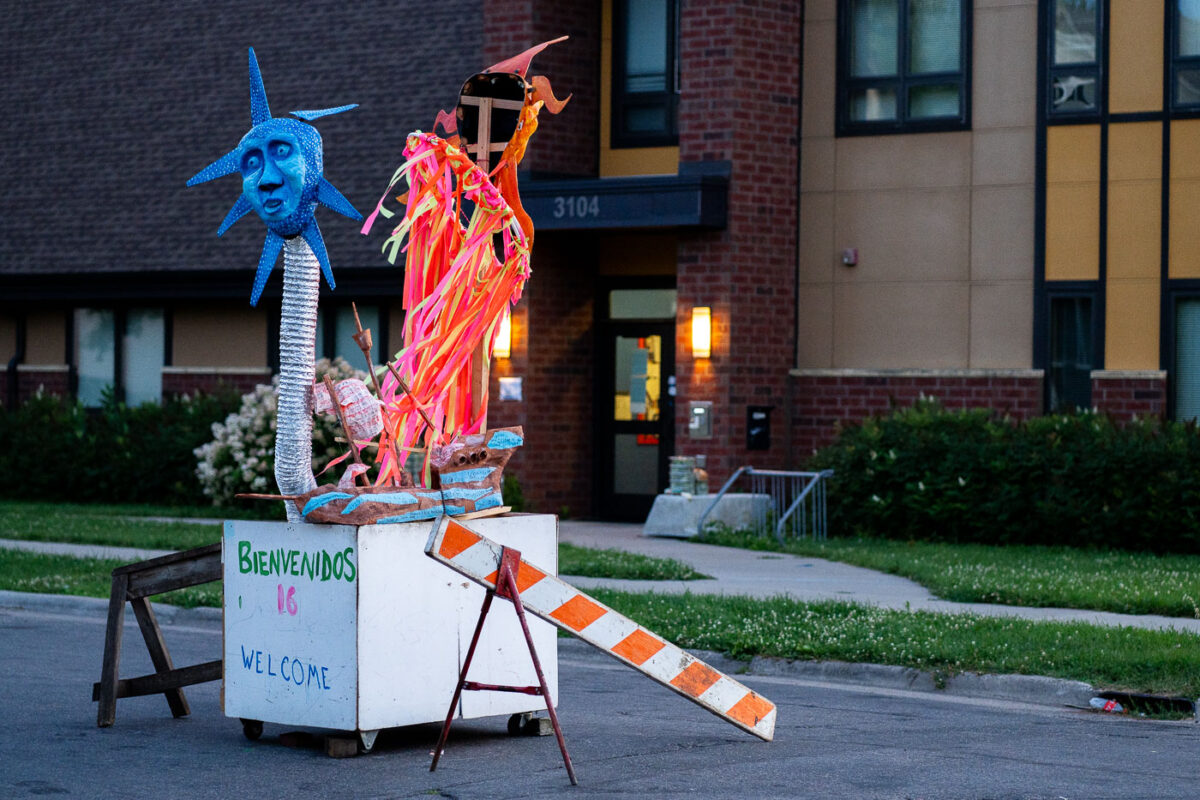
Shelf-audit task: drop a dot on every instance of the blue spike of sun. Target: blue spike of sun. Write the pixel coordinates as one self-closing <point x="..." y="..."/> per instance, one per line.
<point x="281" y="162"/>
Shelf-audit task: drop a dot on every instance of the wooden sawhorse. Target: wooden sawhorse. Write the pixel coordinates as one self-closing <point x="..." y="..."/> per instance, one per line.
<point x="134" y="583"/>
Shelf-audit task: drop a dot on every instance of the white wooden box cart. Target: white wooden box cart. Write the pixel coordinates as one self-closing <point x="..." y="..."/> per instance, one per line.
<point x="356" y="629"/>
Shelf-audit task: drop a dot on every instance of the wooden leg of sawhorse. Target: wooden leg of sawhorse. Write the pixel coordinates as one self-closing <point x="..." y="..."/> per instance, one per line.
<point x="158" y="653"/>
<point x="106" y="714"/>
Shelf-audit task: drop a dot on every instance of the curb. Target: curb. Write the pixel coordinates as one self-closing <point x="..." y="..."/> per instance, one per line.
<point x="1036" y="689"/>
<point x="98" y="607"/>
<point x="1033" y="689"/>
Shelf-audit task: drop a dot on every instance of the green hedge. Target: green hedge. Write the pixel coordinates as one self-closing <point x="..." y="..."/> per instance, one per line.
<point x="1081" y="480"/>
<point x="51" y="449"/>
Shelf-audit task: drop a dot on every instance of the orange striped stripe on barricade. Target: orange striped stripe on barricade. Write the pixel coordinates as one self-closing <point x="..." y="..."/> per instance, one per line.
<point x="560" y="604"/>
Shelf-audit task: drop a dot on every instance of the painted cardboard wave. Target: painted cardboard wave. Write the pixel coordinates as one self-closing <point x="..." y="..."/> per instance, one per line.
<point x="469" y="470"/>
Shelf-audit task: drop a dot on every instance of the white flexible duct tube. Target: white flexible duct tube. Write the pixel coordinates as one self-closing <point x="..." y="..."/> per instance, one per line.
<point x="297" y="371"/>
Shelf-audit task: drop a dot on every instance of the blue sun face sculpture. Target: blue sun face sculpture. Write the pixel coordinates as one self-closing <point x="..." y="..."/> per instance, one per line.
<point x="281" y="164"/>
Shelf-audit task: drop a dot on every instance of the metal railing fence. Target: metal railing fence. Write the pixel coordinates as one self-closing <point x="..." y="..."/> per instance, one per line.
<point x="794" y="503"/>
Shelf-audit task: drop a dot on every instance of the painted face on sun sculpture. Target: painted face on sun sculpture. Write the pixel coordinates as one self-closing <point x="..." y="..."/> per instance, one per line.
<point x="282" y="165"/>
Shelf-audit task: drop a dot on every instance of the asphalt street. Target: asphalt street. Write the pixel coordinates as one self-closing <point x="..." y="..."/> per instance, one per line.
<point x="628" y="737"/>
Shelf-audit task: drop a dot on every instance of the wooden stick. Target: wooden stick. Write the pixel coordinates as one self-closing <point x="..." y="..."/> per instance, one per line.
<point x="408" y="392"/>
<point x="483" y="159"/>
<point x="256" y="496"/>
<point x="337" y="409"/>
<point x="363" y="340"/>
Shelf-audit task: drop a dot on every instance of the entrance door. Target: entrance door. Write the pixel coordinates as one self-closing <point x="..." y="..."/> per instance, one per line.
<point x="635" y="410"/>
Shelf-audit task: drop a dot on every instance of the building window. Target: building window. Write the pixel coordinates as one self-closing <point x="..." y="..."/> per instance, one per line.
<point x="1076" y="30"/>
<point x="1072" y="354"/>
<point x="335" y="334"/>
<point x="903" y="65"/>
<point x="1185" y="56"/>
<point x="645" y="80"/>
<point x="1187" y="359"/>
<point x="122" y="352"/>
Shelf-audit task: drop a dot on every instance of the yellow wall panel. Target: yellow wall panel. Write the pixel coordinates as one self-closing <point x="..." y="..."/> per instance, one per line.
<point x="1184" y="251"/>
<point x="1135" y="56"/>
<point x="1073" y="232"/>
<point x="1134" y="230"/>
<point x="1185" y="149"/>
<point x="1135" y="151"/>
<point x="1072" y="153"/>
<point x="1131" y="335"/>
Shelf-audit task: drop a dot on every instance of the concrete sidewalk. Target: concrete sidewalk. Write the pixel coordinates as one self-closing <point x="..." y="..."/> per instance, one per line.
<point x="737" y="572"/>
<point x="760" y="574"/>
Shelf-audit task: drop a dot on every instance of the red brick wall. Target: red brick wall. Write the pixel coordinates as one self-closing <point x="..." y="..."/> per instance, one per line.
<point x="1125" y="396"/>
<point x="51" y="382"/>
<point x="566" y="144"/>
<point x="740" y="76"/>
<point x="503" y="414"/>
<point x="821" y="401"/>
<point x="190" y="383"/>
<point x="553" y="351"/>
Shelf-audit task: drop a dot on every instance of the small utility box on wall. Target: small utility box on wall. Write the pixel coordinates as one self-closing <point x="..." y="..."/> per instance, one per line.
<point x="758" y="427"/>
<point x="700" y="419"/>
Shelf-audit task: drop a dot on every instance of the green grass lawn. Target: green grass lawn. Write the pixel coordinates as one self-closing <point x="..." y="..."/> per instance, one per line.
<point x="1062" y="577"/>
<point x="1156" y="662"/>
<point x="591" y="563"/>
<point x="88" y="577"/>
<point x="114" y="526"/>
<point x="106" y="525"/>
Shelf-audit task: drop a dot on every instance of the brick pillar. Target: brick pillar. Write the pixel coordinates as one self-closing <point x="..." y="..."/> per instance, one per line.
<point x="740" y="73"/>
<point x="565" y="144"/>
<point x="553" y="345"/>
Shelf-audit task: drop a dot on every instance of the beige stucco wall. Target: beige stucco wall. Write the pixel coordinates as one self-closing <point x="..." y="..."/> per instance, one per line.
<point x="943" y="222"/>
<point x="219" y="335"/>
<point x="8" y="337"/>
<point x="46" y="337"/>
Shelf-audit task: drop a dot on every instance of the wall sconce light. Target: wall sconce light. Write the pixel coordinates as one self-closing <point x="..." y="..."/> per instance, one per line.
<point x="503" y="346"/>
<point x="701" y="332"/>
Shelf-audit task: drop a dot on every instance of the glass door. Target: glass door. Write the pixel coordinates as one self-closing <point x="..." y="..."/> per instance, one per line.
<point x="637" y="416"/>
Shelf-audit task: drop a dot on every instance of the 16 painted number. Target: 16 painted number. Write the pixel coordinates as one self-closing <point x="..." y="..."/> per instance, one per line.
<point x="288" y="601"/>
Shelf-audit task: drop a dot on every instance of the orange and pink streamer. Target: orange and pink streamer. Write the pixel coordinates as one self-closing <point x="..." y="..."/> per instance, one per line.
<point x="456" y="292"/>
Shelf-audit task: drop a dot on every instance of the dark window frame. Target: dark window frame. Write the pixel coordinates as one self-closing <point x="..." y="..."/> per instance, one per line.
<point x="1093" y="69"/>
<point x="1178" y="62"/>
<point x="120" y="329"/>
<point x="327" y="344"/>
<point x="1177" y="290"/>
<point x="1065" y="291"/>
<point x="902" y="81"/>
<point x="622" y="101"/>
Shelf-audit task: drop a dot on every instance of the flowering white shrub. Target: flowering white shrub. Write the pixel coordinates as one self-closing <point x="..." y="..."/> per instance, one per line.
<point x="241" y="456"/>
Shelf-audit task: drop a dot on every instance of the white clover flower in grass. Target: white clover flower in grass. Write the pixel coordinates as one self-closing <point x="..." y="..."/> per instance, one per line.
<point x="241" y="455"/>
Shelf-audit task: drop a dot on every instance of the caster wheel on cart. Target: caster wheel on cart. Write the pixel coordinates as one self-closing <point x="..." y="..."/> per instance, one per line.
<point x="252" y="729"/>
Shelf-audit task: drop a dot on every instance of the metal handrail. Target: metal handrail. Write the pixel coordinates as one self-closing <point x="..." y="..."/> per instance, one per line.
<point x="782" y="485"/>
<point x="717" y="499"/>
<point x="817" y="484"/>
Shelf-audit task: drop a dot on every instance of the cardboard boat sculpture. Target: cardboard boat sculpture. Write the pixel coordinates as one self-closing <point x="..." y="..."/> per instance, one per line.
<point x="460" y="282"/>
<point x="429" y="403"/>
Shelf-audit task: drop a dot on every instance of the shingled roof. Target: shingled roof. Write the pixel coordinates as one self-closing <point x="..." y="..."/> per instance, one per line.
<point x="109" y="109"/>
